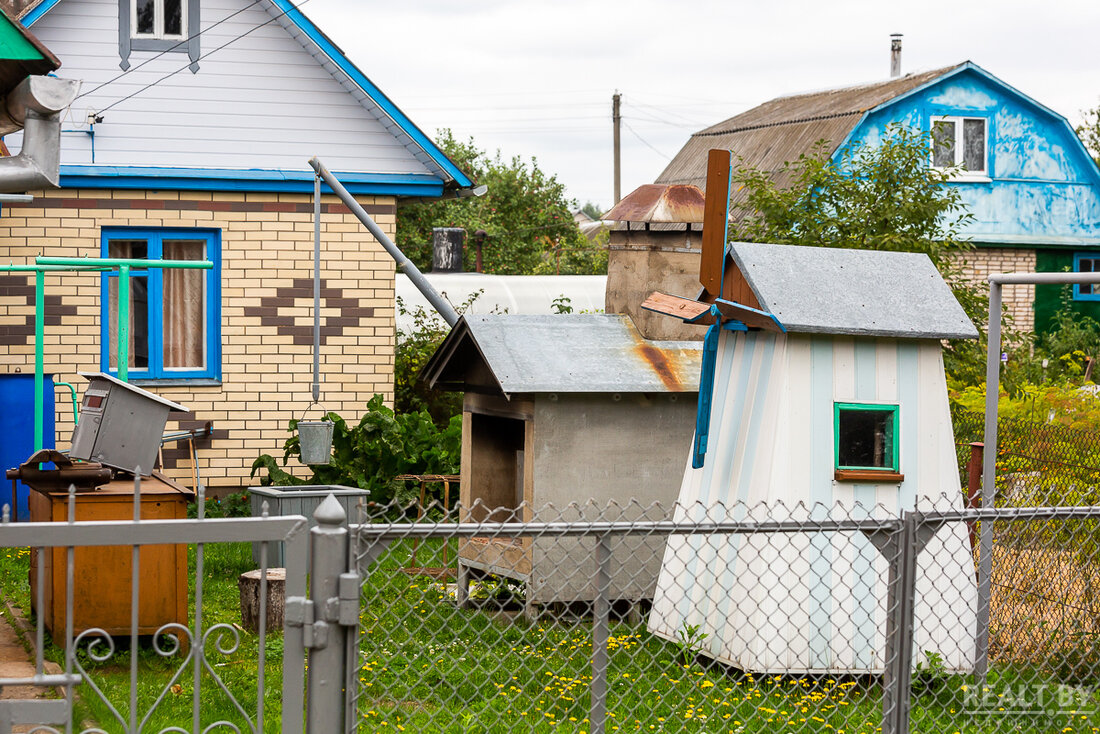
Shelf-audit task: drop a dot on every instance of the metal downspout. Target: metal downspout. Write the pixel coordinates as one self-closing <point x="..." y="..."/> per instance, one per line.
<point x="415" y="276"/>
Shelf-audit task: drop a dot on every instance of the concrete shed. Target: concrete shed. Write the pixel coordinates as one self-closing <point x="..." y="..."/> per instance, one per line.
<point x="559" y="421"/>
<point x="826" y="391"/>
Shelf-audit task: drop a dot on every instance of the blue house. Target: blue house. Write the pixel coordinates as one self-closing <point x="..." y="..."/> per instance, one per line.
<point x="1031" y="185"/>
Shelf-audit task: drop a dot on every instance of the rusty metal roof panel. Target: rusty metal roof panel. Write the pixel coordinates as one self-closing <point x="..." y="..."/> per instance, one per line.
<point x="660" y="203"/>
<point x="784" y="128"/>
<point x="569" y="353"/>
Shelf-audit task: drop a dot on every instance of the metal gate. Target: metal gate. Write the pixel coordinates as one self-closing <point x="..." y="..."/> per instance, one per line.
<point x="188" y="648"/>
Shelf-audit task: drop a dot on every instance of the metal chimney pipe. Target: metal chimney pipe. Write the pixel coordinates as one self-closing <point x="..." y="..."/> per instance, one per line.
<point x="895" y="55"/>
<point x="447" y="245"/>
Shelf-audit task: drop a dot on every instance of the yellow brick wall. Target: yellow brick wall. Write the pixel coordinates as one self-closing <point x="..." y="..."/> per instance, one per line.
<point x="265" y="376"/>
<point x="1019" y="300"/>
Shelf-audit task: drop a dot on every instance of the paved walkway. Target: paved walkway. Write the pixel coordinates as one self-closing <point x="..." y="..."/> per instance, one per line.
<point x="16" y="662"/>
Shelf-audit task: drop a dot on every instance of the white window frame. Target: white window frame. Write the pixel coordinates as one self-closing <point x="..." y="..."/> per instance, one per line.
<point x="158" y="22"/>
<point x="959" y="150"/>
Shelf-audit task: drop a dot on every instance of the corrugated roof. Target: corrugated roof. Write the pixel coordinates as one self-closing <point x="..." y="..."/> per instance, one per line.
<point x="674" y="203"/>
<point x="830" y="290"/>
<point x="569" y="353"/>
<point x="784" y="128"/>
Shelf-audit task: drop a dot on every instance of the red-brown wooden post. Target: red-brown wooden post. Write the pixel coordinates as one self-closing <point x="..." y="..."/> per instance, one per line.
<point x="974" y="486"/>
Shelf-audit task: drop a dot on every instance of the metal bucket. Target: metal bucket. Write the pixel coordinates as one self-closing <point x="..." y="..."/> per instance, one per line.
<point x="315" y="440"/>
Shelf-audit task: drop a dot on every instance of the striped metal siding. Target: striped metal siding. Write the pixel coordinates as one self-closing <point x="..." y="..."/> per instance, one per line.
<point x="263" y="102"/>
<point x="815" y="603"/>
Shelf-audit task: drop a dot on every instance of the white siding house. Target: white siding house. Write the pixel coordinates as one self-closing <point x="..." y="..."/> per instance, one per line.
<point x="190" y="139"/>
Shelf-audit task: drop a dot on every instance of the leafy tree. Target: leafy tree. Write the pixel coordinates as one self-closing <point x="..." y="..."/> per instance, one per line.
<point x="594" y="210"/>
<point x="1090" y="132"/>
<point x="525" y="214"/>
<point x="882" y="197"/>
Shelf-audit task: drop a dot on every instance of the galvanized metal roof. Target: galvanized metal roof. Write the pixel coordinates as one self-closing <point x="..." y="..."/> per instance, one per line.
<point x="862" y="292"/>
<point x="569" y="353"/>
<point x="782" y="129"/>
<point x="89" y="376"/>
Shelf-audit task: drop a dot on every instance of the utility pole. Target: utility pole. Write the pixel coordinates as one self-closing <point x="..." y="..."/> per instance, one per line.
<point x="616" y="120"/>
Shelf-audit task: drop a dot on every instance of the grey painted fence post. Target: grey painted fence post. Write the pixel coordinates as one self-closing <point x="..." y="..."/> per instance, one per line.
<point x="326" y="638"/>
<point x="601" y="612"/>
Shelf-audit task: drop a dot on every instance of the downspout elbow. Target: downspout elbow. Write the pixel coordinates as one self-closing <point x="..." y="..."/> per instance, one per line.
<point x="35" y="105"/>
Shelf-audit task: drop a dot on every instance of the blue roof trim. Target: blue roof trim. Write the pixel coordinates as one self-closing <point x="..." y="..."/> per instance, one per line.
<point x="330" y="49"/>
<point x="32" y="17"/>
<point x="265" y="180"/>
<point x="360" y="79"/>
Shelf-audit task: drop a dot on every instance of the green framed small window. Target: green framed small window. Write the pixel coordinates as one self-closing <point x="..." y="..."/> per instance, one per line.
<point x="866" y="437"/>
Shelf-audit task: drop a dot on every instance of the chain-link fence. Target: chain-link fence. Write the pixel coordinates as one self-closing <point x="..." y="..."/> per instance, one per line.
<point x="719" y="618"/>
<point x="1045" y="585"/>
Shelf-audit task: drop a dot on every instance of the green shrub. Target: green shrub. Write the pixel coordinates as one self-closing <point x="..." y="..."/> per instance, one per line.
<point x="369" y="454"/>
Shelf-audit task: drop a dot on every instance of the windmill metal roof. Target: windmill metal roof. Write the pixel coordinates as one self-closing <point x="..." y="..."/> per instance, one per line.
<point x="830" y="290"/>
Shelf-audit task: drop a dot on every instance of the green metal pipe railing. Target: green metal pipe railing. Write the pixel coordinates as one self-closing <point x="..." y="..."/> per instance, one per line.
<point x="45" y="265"/>
<point x="72" y="392"/>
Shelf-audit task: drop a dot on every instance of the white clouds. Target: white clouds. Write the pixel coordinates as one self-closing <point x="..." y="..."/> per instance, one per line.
<point x="536" y="78"/>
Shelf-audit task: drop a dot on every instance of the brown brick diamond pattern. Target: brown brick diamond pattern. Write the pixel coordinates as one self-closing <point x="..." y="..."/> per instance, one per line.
<point x="19" y="329"/>
<point x="301" y="293"/>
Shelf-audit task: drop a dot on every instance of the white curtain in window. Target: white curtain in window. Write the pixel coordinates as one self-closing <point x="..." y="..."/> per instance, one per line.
<point x="184" y="307"/>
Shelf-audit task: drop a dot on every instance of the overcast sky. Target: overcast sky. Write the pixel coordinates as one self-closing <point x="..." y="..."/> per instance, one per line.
<point x="536" y="78"/>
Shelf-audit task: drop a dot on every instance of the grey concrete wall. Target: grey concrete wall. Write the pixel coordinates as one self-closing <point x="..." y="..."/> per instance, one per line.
<point x="591" y="450"/>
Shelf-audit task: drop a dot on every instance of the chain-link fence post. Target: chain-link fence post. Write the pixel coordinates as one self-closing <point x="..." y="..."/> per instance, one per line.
<point x="325" y="634"/>
<point x="601" y="612"/>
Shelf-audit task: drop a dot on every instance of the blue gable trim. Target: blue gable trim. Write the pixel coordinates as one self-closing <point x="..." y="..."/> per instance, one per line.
<point x="38" y="12"/>
<point x="330" y="49"/>
<point x="306" y="26"/>
<point x="214" y="179"/>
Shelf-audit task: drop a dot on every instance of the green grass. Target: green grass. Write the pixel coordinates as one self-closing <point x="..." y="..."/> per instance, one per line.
<point x="428" y="666"/>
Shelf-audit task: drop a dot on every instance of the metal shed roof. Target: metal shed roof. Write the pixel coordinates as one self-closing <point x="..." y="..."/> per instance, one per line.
<point x="862" y="292"/>
<point x="573" y="353"/>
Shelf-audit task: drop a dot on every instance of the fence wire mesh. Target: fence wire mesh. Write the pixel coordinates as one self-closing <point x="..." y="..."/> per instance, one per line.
<point x="1045" y="584"/>
<point x="721" y="618"/>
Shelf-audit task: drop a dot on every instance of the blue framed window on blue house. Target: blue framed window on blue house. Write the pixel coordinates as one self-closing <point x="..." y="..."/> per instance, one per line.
<point x="1086" y="262"/>
<point x="175" y="325"/>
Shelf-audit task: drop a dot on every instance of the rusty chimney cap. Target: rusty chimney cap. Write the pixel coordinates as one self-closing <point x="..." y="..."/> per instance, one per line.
<point x="658" y="203"/>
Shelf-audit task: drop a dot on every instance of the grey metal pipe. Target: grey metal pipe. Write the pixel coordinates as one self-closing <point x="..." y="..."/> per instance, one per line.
<point x="438" y="302"/>
<point x="989" y="491"/>
<point x="317" y="288"/>
<point x="1044" y="278"/>
<point x="35" y="105"/>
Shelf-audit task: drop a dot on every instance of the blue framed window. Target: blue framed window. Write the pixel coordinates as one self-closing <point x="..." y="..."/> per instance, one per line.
<point x="1086" y="262"/>
<point x="175" y="324"/>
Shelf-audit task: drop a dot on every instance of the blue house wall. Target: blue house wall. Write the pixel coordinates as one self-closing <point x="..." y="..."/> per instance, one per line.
<point x="1042" y="191"/>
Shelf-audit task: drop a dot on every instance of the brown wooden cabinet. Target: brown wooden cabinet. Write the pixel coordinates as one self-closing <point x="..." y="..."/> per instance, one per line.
<point x="101" y="576"/>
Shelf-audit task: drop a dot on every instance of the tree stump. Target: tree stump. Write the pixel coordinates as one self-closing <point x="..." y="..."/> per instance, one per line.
<point x="249" y="584"/>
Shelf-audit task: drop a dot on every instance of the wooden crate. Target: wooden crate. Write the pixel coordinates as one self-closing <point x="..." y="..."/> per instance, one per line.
<point x="102" y="575"/>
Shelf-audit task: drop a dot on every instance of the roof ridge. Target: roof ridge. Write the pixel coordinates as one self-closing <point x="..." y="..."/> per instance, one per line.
<point x="834" y="115"/>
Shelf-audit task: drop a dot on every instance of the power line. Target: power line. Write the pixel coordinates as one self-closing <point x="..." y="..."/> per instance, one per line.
<point x="203" y="56"/>
<point x="169" y="50"/>
<point x="645" y="142"/>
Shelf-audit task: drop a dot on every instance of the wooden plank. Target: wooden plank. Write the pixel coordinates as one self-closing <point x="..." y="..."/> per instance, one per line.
<point x="749" y="316"/>
<point x="681" y="308"/>
<point x="868" y="475"/>
<point x="715" y="218"/>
